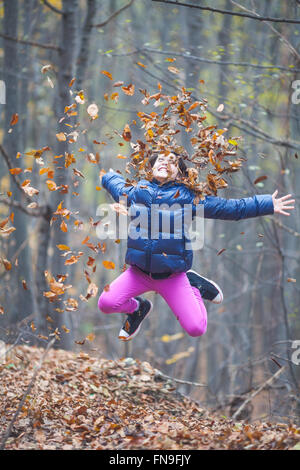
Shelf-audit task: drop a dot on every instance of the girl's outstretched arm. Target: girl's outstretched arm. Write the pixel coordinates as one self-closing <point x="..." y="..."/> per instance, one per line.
<point x="236" y="209"/>
<point x="115" y="184"/>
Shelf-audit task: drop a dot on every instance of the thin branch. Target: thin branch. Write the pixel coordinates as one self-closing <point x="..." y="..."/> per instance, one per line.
<point x="265" y="384"/>
<point x="27" y="391"/>
<point x="36" y="212"/>
<point x="116" y="13"/>
<point x="283" y="38"/>
<point x="10" y="166"/>
<point x="203" y="59"/>
<point x="14" y="177"/>
<point x="232" y="120"/>
<point x="218" y="62"/>
<point x="6" y="351"/>
<point x="53" y="8"/>
<point x="160" y="374"/>
<point x="284" y="227"/>
<point x="228" y="12"/>
<point x="30" y="43"/>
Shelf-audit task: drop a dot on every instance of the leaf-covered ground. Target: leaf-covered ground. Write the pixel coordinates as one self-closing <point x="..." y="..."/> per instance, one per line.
<point x="83" y="402"/>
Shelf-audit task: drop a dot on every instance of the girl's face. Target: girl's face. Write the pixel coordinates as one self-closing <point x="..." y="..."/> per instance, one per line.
<point x="165" y="167"/>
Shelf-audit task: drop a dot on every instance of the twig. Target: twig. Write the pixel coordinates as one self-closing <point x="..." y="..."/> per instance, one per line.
<point x="288" y="229"/>
<point x="30" y="43"/>
<point x="283" y="38"/>
<point x="270" y="380"/>
<point x="10" y="166"/>
<point x="158" y="372"/>
<point x="246" y="126"/>
<point x="37" y="368"/>
<point x="36" y="212"/>
<point x="53" y="8"/>
<point x="228" y="12"/>
<point x="116" y="13"/>
<point x="12" y="346"/>
<point x="203" y="59"/>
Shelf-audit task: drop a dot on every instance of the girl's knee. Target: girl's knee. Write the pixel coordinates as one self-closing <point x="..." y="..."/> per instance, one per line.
<point x="197" y="329"/>
<point x="104" y="303"/>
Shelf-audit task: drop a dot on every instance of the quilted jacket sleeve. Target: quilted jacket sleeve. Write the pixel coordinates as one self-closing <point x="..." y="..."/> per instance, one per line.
<point x="114" y="183"/>
<point x="236" y="209"/>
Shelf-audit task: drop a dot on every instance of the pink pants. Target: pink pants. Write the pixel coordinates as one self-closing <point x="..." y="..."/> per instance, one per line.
<point x="184" y="300"/>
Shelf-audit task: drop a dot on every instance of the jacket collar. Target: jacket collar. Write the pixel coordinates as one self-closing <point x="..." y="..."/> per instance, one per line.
<point x="169" y="183"/>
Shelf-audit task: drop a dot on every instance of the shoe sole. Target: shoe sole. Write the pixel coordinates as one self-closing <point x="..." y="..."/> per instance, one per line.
<point x="214" y="284"/>
<point x="124" y="339"/>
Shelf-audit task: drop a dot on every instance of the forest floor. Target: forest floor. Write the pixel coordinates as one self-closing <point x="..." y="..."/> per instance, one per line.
<point x="81" y="402"/>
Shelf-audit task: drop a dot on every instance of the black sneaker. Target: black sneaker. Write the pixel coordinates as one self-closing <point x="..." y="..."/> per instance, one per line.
<point x="209" y="290"/>
<point x="134" y="320"/>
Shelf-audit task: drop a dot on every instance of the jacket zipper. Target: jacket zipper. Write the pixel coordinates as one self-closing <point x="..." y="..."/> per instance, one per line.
<point x="148" y="258"/>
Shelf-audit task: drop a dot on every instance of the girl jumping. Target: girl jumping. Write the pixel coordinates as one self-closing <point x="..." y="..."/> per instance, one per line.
<point x="164" y="264"/>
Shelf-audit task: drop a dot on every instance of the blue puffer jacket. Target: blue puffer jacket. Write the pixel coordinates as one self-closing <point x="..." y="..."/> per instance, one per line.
<point x="159" y="255"/>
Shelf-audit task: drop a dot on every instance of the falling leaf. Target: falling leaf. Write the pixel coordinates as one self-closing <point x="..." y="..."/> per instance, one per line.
<point x="90" y="337"/>
<point x="119" y="208"/>
<point x="80" y="342"/>
<point x="6" y="232"/>
<point x="63" y="247"/>
<point x="108" y="264"/>
<point x="51" y="185"/>
<point x="61" y="137"/>
<point x="46" y="68"/>
<point x="259" y="179"/>
<point x="63" y="226"/>
<point x="92" y="290"/>
<point x="126" y="133"/>
<point x="69" y="159"/>
<point x="221" y="251"/>
<point x="173" y="69"/>
<point x="72" y="260"/>
<point x="29" y="190"/>
<point x="116" y="84"/>
<point x="90" y="261"/>
<point x="115" y="97"/>
<point x="6" y="263"/>
<point x="93" y="110"/>
<point x="109" y="75"/>
<point x="220" y="108"/>
<point x="129" y="90"/>
<point x="15" y="171"/>
<point x="291" y="279"/>
<point x="14" y="119"/>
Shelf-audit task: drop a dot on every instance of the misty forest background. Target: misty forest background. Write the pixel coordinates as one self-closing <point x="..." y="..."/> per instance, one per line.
<point x="242" y="62"/>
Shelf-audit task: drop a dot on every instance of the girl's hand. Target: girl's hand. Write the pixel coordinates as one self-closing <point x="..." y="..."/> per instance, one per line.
<point x="282" y="203"/>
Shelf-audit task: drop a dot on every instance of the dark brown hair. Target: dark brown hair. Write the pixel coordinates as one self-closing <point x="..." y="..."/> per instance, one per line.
<point x="182" y="166"/>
